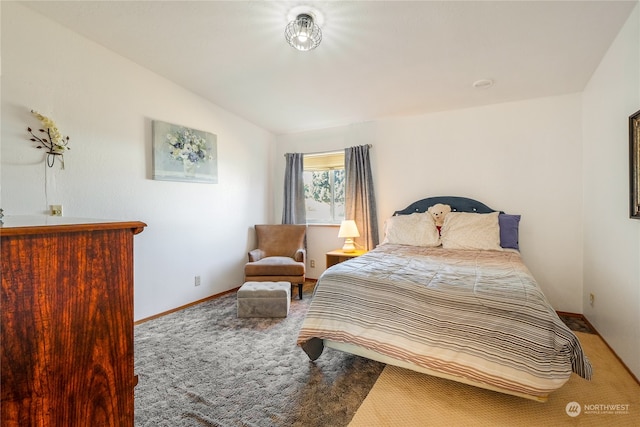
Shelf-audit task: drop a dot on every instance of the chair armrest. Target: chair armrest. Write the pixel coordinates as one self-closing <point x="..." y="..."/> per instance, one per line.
<point x="300" y="255"/>
<point x="256" y="255"/>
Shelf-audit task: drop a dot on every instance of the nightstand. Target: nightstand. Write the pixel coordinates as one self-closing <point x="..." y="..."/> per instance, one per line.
<point x="338" y="256"/>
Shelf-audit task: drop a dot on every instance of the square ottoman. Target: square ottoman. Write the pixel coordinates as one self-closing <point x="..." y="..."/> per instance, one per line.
<point x="264" y="299"/>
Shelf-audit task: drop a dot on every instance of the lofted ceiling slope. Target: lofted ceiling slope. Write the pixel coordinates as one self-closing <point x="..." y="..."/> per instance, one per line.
<point x="377" y="59"/>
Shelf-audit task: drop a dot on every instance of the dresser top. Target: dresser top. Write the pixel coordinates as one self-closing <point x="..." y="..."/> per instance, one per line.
<point x="14" y="225"/>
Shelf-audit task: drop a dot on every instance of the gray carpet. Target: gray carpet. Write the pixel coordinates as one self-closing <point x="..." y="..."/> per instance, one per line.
<point x="203" y="366"/>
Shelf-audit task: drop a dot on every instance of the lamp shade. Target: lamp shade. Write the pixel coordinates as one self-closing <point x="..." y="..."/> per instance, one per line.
<point x="348" y="228"/>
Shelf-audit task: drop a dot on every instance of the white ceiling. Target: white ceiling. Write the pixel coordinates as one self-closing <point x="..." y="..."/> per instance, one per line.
<point x="377" y="59"/>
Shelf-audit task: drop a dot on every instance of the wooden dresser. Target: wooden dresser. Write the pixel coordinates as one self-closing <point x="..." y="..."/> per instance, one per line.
<point x="67" y="322"/>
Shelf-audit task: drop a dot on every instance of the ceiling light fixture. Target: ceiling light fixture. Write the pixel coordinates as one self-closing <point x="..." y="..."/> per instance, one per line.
<point x="302" y="33"/>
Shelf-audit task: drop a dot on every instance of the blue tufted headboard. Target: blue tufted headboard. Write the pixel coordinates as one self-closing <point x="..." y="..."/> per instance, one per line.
<point x="458" y="204"/>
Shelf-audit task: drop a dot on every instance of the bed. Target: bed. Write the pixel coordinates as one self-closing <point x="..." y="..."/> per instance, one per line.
<point x="457" y="303"/>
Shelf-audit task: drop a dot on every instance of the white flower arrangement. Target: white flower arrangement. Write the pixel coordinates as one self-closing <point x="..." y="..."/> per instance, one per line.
<point x="188" y="147"/>
<point x="52" y="141"/>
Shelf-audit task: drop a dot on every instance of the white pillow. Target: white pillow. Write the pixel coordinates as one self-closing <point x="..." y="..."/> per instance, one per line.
<point x="417" y="229"/>
<point x="465" y="230"/>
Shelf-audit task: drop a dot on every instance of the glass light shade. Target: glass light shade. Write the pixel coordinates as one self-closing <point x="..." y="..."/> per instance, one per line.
<point x="302" y="33"/>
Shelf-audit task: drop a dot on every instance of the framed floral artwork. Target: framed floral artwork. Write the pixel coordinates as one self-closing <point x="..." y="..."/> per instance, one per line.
<point x="184" y="154"/>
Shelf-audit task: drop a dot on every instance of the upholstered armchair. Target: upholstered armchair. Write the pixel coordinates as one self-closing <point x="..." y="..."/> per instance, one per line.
<point x="279" y="257"/>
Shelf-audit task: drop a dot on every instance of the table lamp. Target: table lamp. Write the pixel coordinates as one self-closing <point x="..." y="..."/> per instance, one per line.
<point x="348" y="230"/>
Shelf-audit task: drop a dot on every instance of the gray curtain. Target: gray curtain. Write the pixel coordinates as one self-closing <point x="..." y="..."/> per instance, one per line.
<point x="359" y="195"/>
<point x="294" y="211"/>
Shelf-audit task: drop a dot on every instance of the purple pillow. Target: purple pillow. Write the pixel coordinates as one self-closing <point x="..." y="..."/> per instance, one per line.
<point x="509" y="230"/>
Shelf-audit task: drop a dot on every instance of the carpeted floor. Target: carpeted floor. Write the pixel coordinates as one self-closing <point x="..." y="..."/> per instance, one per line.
<point x="576" y="324"/>
<point x="203" y="366"/>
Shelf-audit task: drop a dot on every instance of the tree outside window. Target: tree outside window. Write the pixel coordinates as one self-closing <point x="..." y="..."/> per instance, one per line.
<point x="324" y="188"/>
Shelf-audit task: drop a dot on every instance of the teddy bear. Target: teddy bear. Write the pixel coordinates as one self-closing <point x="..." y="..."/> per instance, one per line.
<point x="438" y="212"/>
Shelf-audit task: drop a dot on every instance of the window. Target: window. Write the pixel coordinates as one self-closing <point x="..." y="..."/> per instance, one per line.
<point x="324" y="187"/>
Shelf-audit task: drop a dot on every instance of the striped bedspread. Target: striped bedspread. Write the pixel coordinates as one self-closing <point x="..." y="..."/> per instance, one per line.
<point x="477" y="315"/>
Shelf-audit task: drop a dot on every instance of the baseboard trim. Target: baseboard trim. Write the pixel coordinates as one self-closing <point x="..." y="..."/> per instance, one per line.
<point x="182" y="307"/>
<point x="200" y="301"/>
<point x="585" y="320"/>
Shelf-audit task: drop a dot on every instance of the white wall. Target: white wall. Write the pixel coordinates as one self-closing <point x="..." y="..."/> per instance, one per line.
<point x="531" y="154"/>
<point x="521" y="157"/>
<point x="612" y="239"/>
<point x="106" y="103"/>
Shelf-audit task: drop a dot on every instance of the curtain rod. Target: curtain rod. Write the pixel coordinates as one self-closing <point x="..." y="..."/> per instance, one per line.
<point x="325" y="152"/>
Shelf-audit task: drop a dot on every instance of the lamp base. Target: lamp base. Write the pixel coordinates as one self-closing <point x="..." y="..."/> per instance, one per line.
<point x="348" y="246"/>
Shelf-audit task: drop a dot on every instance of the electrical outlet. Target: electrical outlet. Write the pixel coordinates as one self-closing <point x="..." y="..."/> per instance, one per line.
<point x="197" y="281"/>
<point x="312" y="263"/>
<point x="592" y="297"/>
<point x="55" y="210"/>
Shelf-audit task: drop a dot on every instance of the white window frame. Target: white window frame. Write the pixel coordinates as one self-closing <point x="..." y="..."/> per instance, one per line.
<point x="327" y="161"/>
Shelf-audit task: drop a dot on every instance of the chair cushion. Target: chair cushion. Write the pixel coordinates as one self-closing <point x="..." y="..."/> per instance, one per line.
<point x="274" y="266"/>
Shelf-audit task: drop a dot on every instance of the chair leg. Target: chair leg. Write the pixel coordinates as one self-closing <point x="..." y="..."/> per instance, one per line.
<point x="300" y="290"/>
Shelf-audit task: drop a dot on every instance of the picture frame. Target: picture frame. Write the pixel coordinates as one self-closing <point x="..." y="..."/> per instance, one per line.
<point x="634" y="165"/>
<point x="184" y="154"/>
